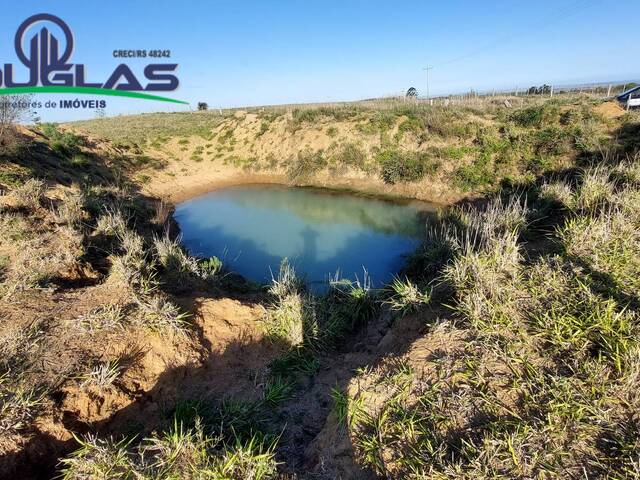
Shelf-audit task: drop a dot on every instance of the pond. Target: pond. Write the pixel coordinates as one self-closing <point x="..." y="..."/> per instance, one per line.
<point x="252" y="228"/>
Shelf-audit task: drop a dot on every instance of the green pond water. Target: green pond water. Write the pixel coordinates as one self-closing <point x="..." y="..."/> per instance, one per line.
<point x="321" y="232"/>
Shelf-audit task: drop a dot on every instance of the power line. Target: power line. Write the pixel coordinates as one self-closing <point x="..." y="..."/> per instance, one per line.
<point x="548" y="20"/>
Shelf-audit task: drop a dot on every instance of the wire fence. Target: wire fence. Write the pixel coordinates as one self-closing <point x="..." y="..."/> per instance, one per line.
<point x="512" y="97"/>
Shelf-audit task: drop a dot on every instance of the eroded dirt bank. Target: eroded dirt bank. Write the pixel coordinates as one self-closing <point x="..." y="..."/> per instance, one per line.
<point x="198" y="180"/>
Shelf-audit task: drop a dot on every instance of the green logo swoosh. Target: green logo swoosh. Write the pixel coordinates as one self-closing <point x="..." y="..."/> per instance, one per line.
<point x="87" y="91"/>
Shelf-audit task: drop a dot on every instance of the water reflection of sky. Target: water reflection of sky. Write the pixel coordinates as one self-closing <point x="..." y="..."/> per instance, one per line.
<point x="252" y="228"/>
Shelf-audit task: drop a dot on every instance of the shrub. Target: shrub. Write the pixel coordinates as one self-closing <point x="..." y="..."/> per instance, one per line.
<point x="264" y="127"/>
<point x="536" y="115"/>
<point x="306" y="164"/>
<point x="411" y="124"/>
<point x="551" y="141"/>
<point x="401" y="166"/>
<point x="350" y="155"/>
<point x="474" y="175"/>
<point x="66" y="143"/>
<point x="452" y="152"/>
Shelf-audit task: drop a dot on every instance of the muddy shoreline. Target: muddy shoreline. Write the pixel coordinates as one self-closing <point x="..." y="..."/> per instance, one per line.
<point x="192" y="186"/>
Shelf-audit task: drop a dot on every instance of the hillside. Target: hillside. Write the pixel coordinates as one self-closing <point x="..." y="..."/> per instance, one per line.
<point x="439" y="154"/>
<point x="508" y="346"/>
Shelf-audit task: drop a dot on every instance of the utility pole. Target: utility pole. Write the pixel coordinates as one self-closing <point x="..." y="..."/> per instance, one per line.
<point x="426" y="69"/>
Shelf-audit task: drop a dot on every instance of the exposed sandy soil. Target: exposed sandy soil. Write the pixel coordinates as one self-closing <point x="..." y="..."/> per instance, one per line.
<point x="227" y="357"/>
<point x="199" y="179"/>
<point x="190" y="166"/>
<point x="610" y="110"/>
<point x="224" y="357"/>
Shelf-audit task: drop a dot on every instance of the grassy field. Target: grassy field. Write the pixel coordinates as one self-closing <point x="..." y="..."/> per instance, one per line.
<point x="506" y="348"/>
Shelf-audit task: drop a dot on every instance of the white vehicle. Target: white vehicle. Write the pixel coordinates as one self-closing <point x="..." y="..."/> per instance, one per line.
<point x="630" y="98"/>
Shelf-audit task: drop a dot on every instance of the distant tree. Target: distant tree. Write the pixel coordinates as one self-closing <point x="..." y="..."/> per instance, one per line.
<point x="412" y="92"/>
<point x="203" y="106"/>
<point x="541" y="90"/>
<point x="13" y="110"/>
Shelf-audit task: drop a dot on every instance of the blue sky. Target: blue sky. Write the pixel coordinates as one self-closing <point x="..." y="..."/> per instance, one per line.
<point x="233" y="53"/>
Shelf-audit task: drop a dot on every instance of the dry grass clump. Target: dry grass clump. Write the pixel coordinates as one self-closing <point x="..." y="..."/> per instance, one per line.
<point x="20" y="399"/>
<point x="29" y="195"/>
<point x="36" y="252"/>
<point x="607" y="243"/>
<point x="178" y="453"/>
<point x="291" y="315"/>
<point x="132" y="268"/>
<point x="135" y="269"/>
<point x="43" y="257"/>
<point x="595" y="189"/>
<point x="104" y="317"/>
<point x="111" y="222"/>
<point x="103" y="374"/>
<point x="16" y="347"/>
<point x="406" y="297"/>
<point x="181" y="268"/>
<point x="629" y="170"/>
<point x="558" y="192"/>
<point x="287" y="282"/>
<point x="289" y="319"/>
<point x="161" y="213"/>
<point x="18" y="407"/>
<point x="172" y="257"/>
<point x="71" y="209"/>
<point x="160" y="314"/>
<point x="486" y="267"/>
